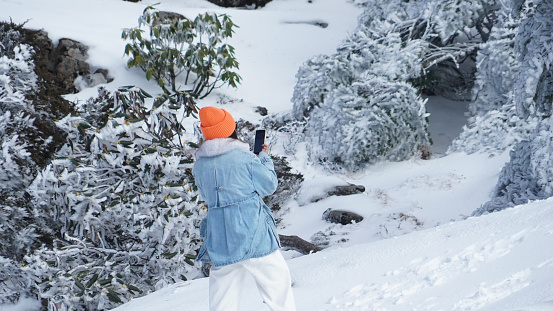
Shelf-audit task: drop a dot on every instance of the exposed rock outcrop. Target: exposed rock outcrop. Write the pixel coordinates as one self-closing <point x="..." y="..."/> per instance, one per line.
<point x="341" y="217"/>
<point x="68" y="62"/>
<point x="348" y="189"/>
<point x="240" y="3"/>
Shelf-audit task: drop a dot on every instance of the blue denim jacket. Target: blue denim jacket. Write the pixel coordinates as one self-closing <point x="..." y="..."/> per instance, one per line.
<point x="233" y="180"/>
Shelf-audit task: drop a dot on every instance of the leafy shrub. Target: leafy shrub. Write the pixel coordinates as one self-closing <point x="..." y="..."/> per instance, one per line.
<point x="17" y="232"/>
<point x="121" y="202"/>
<point x="178" y="46"/>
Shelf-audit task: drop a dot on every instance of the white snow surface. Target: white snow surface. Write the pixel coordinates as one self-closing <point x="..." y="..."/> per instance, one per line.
<point x="417" y="247"/>
<point x="499" y="261"/>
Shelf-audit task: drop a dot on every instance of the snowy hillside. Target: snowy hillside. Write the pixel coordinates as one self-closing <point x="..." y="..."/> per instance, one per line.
<point x="495" y="262"/>
<point x="416" y="249"/>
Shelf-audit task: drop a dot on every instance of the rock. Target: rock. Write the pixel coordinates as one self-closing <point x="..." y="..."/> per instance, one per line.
<point x="321" y="239"/>
<point x="262" y="111"/>
<point x="347" y="190"/>
<point x="341" y="217"/>
<point x="240" y="3"/>
<point x="296" y="243"/>
<point x="100" y="76"/>
<point x="68" y="63"/>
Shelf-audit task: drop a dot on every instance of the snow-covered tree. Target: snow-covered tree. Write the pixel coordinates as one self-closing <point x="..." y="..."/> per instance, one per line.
<point x="494" y="125"/>
<point x="529" y="174"/>
<point x="513" y="83"/>
<point x="397" y="42"/>
<point x="494" y="132"/>
<point x="534" y="48"/>
<point x="497" y="65"/>
<point x="121" y="201"/>
<point x="316" y="78"/>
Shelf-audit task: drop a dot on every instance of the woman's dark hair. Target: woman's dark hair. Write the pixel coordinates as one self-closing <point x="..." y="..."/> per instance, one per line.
<point x="234" y="135"/>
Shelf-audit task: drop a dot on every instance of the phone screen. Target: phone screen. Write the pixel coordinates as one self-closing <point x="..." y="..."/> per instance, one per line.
<point x="259" y="141"/>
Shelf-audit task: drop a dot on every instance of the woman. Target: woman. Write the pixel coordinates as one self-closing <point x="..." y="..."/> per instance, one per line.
<point x="239" y="229"/>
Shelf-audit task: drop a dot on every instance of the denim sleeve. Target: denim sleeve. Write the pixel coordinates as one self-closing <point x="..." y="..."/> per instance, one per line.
<point x="264" y="176"/>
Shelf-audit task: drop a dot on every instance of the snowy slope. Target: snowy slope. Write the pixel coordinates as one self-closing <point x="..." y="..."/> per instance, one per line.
<point x="414" y="250"/>
<point x="270" y="43"/>
<point x="501" y="261"/>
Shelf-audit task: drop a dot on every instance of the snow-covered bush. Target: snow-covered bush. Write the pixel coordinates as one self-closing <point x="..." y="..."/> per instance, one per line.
<point x="358" y="106"/>
<point x="396" y="43"/>
<point x="121" y="201"/>
<point x="17" y="78"/>
<point x="534" y="48"/>
<point x="497" y="66"/>
<point x="175" y="45"/>
<point x="316" y="78"/>
<point x="494" y="132"/>
<point x="529" y="174"/>
<point x="18" y="234"/>
<point x="14" y="280"/>
<point x="367" y="122"/>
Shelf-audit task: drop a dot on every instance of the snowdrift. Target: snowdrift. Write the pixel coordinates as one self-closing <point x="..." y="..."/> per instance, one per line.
<point x="499" y="261"/>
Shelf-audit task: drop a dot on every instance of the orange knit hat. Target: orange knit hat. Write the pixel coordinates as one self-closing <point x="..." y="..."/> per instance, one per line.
<point x="216" y="123"/>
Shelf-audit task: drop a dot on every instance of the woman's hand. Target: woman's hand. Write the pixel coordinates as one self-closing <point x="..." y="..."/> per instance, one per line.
<point x="265" y="148"/>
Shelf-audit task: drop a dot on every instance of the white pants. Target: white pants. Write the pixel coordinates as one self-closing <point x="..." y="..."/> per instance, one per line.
<point x="271" y="276"/>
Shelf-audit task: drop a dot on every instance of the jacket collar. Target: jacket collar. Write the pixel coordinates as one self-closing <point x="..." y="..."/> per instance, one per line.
<point x="218" y="146"/>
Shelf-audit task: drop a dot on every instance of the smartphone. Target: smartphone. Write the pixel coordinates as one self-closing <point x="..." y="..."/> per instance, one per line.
<point x="259" y="141"/>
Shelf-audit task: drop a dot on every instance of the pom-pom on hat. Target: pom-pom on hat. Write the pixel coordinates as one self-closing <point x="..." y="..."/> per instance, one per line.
<point x="216" y="123"/>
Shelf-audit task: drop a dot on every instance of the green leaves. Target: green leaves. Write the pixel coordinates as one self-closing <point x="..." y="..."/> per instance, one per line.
<point x="181" y="46"/>
<point x="92" y="280"/>
<point x="113" y="296"/>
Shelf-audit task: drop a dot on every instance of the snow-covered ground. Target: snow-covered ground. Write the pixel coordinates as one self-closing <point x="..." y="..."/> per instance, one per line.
<point x="416" y="249"/>
<point x="496" y="262"/>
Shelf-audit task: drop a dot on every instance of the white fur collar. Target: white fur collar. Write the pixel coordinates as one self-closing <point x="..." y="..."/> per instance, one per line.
<point x="218" y="146"/>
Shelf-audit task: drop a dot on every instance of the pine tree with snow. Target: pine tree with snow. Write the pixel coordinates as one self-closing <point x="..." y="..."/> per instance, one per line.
<point x="497" y="65"/>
